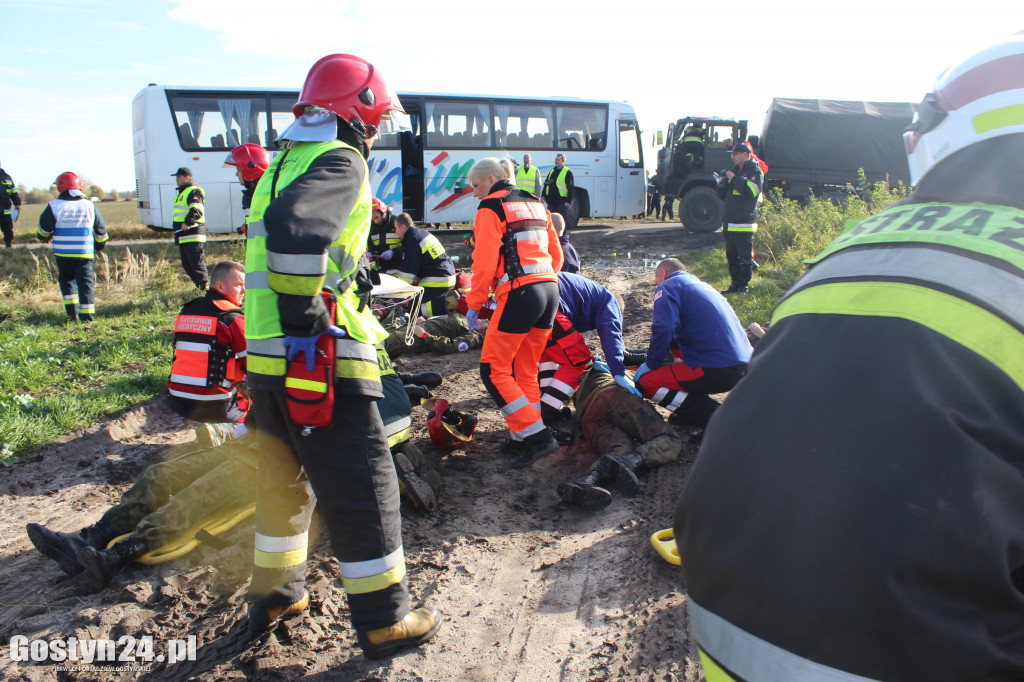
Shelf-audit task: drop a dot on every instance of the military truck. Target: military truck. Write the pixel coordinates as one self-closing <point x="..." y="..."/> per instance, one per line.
<point x="694" y="150"/>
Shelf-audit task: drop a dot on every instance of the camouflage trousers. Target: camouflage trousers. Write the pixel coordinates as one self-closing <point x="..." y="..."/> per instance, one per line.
<point x="616" y="422"/>
<point x="174" y="495"/>
<point x="445" y="335"/>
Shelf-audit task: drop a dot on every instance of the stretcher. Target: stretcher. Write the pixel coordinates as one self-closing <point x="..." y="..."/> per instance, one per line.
<point x="187" y="541"/>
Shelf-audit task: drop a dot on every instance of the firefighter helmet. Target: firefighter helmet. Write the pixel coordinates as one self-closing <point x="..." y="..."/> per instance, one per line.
<point x="66" y="181"/>
<point x="251" y="158"/>
<point x="448" y="428"/>
<point x="351" y="88"/>
<point x="975" y="100"/>
<point x="379" y="205"/>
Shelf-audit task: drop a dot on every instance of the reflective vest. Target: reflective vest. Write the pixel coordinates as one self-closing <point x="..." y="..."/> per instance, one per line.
<point x="204" y="368"/>
<point x="267" y="273"/>
<point x="524" y="247"/>
<point x="73" y="236"/>
<point x="559" y="176"/>
<point x="195" y="233"/>
<point x="526" y="178"/>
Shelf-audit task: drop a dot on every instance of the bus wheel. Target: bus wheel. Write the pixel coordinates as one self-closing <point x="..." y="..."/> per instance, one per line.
<point x="700" y="210"/>
<point x="572" y="216"/>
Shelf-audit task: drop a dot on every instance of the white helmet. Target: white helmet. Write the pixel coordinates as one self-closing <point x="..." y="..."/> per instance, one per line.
<point x="979" y="98"/>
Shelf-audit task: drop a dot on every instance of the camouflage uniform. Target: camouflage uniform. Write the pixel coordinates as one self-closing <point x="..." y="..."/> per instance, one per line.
<point x="174" y="495"/>
<point x="445" y="335"/>
<point x="616" y="422"/>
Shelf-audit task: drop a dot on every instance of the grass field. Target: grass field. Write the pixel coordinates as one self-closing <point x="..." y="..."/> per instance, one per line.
<point x="120" y="217"/>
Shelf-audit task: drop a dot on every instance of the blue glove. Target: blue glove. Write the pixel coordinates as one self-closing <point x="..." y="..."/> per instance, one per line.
<point x="387" y="254"/>
<point x="472" y="316"/>
<point x="307" y="344"/>
<point x="602" y="366"/>
<point x="626" y="384"/>
<point x="640" y="371"/>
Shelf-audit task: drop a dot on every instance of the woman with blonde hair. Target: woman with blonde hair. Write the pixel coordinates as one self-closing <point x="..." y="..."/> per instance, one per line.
<point x="517" y="254"/>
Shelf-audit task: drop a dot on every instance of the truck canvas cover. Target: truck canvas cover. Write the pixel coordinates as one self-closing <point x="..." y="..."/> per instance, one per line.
<point x="836" y="135"/>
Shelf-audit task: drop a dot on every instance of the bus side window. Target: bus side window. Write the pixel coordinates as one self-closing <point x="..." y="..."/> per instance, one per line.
<point x="187" y="139"/>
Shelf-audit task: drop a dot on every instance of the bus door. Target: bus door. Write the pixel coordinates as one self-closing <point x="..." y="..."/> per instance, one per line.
<point x="630" y="184"/>
<point x="411" y="143"/>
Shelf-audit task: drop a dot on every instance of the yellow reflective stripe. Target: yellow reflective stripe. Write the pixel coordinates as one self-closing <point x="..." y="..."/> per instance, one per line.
<point x="965" y="323"/>
<point x="712" y="671"/>
<point x="297" y="285"/>
<point x="399" y="437"/>
<point x="1002" y="117"/>
<point x="305" y="384"/>
<point x="376" y="582"/>
<point x="279" y="559"/>
<point x="259" y="364"/>
<point x="754" y="189"/>
<point x="742" y="227"/>
<point x="356" y="369"/>
<point x="192" y="239"/>
<point x="84" y="308"/>
<point x="297" y="263"/>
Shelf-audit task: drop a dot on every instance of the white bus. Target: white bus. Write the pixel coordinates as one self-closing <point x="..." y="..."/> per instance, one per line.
<point x="423" y="171"/>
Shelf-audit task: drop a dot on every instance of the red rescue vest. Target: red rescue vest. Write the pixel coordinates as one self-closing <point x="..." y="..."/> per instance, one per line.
<point x="204" y="368"/>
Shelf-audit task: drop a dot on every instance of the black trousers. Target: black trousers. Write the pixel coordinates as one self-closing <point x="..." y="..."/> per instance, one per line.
<point x="739" y="254"/>
<point x="7" y="226"/>
<point x="193" y="259"/>
<point x="75" y="277"/>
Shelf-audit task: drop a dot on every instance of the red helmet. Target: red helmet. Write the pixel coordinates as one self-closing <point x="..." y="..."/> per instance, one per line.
<point x="379" y="205"/>
<point x="67" y="181"/>
<point x="449" y="429"/>
<point x="251" y="158"/>
<point x="351" y="88"/>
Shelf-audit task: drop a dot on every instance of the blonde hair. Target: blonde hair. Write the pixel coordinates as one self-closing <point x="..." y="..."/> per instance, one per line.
<point x="501" y="169"/>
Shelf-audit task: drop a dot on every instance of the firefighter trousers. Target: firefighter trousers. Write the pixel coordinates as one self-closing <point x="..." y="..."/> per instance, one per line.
<point x="515" y="340"/>
<point x="193" y="259"/>
<point x="347" y="467"/>
<point x="77" y="287"/>
<point x="739" y="254"/>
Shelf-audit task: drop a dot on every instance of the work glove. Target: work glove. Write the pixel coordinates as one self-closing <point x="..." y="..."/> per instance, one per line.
<point x="640" y="371"/>
<point x="472" y="316"/>
<point x="307" y="344"/>
<point x="601" y="366"/>
<point x="621" y="380"/>
<point x="387" y="255"/>
<point x="15" y="212"/>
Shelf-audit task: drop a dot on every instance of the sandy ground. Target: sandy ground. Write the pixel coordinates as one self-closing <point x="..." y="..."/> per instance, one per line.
<point x="532" y="589"/>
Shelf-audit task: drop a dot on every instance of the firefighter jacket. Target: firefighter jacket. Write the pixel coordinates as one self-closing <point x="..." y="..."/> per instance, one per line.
<point x="741" y="195"/>
<point x="590" y="306"/>
<point x="209" y="349"/>
<point x="189" y="220"/>
<point x="9" y="197"/>
<point x="693" y="318"/>
<point x="425" y="262"/>
<point x="558" y="186"/>
<point x="516" y="244"/>
<point x="384" y="237"/>
<point x="885" y="497"/>
<point x="528" y="179"/>
<point x="74" y="225"/>
<point x="308" y="227"/>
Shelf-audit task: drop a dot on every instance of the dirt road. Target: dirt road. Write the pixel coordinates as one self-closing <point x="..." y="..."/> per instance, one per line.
<point x="532" y="590"/>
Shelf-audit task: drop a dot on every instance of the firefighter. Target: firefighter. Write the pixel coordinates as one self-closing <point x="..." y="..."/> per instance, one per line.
<point x="76" y="228"/>
<point x="424" y="263"/>
<point x="741" y="187"/>
<point x="583" y="306"/>
<point x="875" y="532"/>
<point x="619" y="426"/>
<point x="308" y="230"/>
<point x="517" y="255"/>
<point x="189" y="226"/>
<point x="559" y="187"/>
<point x="528" y="177"/>
<point x="250" y="162"/>
<point x="10" y="202"/>
<point x="208" y="371"/>
<point x="698" y="347"/>
<point x="384" y="238"/>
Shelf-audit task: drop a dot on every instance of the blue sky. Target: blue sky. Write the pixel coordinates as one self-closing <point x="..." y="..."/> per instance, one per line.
<point x="71" y="68"/>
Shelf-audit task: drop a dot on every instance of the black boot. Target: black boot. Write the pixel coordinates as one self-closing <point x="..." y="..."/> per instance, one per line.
<point x="586" y="492"/>
<point x="428" y="379"/>
<point x="100" y="566"/>
<point x="62" y="547"/>
<point x="623" y="469"/>
<point x="634" y="357"/>
<point x="411" y="487"/>
<point x="534" y="450"/>
<point x="417" y="394"/>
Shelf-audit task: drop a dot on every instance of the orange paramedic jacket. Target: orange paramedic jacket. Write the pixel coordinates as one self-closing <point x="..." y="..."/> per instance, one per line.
<point x="503" y="205"/>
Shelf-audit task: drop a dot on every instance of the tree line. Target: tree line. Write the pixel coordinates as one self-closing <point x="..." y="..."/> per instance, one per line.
<point x="38" y="195"/>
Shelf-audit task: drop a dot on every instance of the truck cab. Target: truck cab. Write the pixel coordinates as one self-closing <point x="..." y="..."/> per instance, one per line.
<point x="694" y="150"/>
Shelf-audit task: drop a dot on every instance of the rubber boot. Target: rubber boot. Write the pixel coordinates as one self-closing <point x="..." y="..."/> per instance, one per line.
<point x="428" y="379"/>
<point x="261" y="615"/>
<point x="586" y="492"/>
<point x="101" y="565"/>
<point x="418" y="626"/>
<point x="63" y="547"/>
<point x="623" y="469"/>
